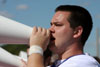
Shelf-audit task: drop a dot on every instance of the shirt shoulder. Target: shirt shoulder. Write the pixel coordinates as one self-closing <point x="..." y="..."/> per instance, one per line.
<point x="80" y="61"/>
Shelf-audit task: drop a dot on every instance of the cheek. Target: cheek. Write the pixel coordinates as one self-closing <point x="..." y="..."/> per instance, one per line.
<point x="64" y="34"/>
<point x="61" y="32"/>
<point x="60" y="36"/>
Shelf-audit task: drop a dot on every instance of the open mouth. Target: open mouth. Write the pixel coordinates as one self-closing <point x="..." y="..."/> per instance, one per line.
<point x="52" y="38"/>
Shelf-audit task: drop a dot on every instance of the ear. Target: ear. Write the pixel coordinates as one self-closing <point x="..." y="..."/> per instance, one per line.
<point x="78" y="31"/>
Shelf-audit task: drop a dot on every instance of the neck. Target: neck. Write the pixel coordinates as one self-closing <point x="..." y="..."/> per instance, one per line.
<point x="75" y="49"/>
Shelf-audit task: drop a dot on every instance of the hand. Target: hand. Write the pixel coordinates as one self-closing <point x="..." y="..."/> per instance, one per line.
<point x="40" y="36"/>
<point x="24" y="64"/>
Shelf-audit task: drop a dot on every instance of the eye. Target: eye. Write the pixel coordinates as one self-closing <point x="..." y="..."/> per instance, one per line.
<point x="51" y="24"/>
<point x="58" y="24"/>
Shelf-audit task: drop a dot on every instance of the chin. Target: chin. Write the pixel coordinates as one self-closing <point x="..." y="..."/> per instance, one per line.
<point x="53" y="49"/>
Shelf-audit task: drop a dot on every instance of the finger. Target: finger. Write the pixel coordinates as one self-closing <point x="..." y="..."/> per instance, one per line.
<point x="48" y="32"/>
<point x="39" y="29"/>
<point x="34" y="29"/>
<point x="24" y="64"/>
<point x="44" y="31"/>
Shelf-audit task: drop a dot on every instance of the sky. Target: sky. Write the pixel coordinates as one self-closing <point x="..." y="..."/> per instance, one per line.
<point x="40" y="12"/>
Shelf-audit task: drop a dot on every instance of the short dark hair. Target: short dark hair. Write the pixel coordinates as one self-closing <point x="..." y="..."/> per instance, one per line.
<point x="79" y="17"/>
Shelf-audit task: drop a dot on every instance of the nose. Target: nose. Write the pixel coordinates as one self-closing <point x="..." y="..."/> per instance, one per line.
<point x="52" y="30"/>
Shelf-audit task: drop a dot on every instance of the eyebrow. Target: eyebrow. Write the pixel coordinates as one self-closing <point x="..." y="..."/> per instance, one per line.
<point x="54" y="23"/>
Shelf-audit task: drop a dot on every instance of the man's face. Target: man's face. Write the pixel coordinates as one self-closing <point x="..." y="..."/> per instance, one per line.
<point x="62" y="33"/>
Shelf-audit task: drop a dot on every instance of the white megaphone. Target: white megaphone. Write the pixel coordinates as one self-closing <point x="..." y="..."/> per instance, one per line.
<point x="12" y="32"/>
<point x="8" y="58"/>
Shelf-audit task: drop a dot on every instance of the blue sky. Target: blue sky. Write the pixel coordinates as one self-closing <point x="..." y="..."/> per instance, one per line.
<point x="40" y="12"/>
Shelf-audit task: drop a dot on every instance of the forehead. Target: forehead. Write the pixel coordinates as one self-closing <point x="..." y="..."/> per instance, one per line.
<point x="60" y="16"/>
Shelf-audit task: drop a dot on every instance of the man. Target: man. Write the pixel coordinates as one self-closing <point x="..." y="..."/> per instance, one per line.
<point x="70" y="28"/>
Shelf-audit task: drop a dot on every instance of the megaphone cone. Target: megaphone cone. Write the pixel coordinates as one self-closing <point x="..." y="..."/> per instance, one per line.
<point x="12" y="32"/>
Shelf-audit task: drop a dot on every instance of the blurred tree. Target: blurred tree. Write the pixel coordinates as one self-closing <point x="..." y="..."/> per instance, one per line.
<point x="15" y="49"/>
